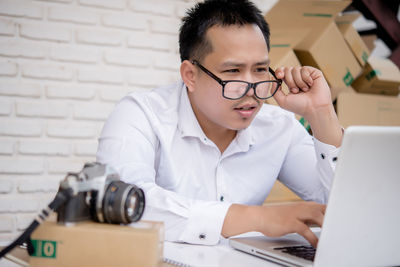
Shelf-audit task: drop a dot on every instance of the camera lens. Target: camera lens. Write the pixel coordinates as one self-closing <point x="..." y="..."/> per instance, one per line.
<point x="123" y="203"/>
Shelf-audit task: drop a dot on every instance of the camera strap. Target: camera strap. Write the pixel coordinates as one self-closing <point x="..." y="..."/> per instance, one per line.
<point x="63" y="195"/>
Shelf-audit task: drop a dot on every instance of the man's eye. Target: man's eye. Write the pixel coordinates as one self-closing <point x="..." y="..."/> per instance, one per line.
<point x="261" y="70"/>
<point x="231" y="70"/>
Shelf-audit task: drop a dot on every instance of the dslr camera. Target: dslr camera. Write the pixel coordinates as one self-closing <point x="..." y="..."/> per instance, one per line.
<point x="99" y="195"/>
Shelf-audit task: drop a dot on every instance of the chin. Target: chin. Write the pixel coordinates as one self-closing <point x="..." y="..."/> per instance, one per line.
<point x="242" y="125"/>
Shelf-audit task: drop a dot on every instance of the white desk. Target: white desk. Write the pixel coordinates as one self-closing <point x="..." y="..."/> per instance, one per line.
<point x="221" y="255"/>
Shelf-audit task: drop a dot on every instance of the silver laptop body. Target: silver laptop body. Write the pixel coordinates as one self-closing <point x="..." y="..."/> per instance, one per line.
<point x="362" y="221"/>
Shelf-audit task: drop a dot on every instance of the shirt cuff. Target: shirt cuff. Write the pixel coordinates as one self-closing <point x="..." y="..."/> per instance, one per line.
<point x="205" y="223"/>
<point x="327" y="156"/>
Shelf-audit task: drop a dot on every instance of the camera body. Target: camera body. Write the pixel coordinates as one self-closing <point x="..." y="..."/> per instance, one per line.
<point x="99" y="195"/>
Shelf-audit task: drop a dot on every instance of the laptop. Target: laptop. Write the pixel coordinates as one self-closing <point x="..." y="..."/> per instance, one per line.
<point x="362" y="220"/>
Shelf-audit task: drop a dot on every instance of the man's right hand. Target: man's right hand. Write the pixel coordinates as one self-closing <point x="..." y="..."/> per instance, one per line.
<point x="275" y="220"/>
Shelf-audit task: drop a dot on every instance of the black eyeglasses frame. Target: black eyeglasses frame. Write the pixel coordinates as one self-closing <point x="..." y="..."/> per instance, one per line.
<point x="249" y="85"/>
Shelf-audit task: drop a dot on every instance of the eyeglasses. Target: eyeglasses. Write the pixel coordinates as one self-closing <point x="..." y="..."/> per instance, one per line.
<point x="235" y="89"/>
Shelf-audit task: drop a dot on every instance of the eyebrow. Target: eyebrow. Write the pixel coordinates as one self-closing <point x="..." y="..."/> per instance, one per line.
<point x="238" y="65"/>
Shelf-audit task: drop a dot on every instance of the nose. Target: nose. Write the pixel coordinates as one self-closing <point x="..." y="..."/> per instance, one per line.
<point x="250" y="91"/>
<point x="250" y="79"/>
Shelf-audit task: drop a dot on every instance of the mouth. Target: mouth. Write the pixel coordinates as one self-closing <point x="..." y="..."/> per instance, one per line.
<point x="247" y="110"/>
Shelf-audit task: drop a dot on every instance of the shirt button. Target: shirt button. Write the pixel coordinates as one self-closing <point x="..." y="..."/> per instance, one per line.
<point x="202" y="236"/>
<point x="322" y="155"/>
<point x="334" y="159"/>
<point x="221" y="198"/>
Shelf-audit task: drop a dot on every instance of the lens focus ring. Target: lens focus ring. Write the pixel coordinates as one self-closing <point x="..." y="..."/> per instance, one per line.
<point x="123" y="203"/>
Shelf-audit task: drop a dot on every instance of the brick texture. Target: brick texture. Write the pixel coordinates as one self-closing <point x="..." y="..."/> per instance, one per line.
<point x="74" y="15"/>
<point x="19" y="128"/>
<point x="78" y="92"/>
<point x="74" y="54"/>
<point x="8" y="68"/>
<point x="131" y="21"/>
<point x="41" y="109"/>
<point x="20" y="89"/>
<point x="13" y="48"/>
<point x="6" y="186"/>
<point x="50" y="72"/>
<point x="21" y="8"/>
<point x="21" y="166"/>
<point x="71" y="130"/>
<point x="7" y="223"/>
<point x="6" y="147"/>
<point x="115" y="4"/>
<point x="45" y="32"/>
<point x="7" y="27"/>
<point x="63" y="66"/>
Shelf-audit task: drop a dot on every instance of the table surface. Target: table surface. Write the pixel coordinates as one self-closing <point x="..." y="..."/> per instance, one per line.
<point x="221" y="255"/>
<point x="185" y="255"/>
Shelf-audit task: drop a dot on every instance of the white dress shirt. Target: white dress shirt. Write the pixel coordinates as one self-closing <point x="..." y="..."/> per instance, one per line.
<point x="154" y="141"/>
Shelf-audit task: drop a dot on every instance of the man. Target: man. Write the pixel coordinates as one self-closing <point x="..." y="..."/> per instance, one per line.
<point x="207" y="150"/>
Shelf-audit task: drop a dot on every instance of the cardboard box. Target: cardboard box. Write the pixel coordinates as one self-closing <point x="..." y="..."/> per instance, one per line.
<point x="287" y="37"/>
<point x="323" y="46"/>
<point x="352" y="38"/>
<point x="369" y="41"/>
<point x="367" y="109"/>
<point x="281" y="193"/>
<point x="98" y="244"/>
<point x="380" y="76"/>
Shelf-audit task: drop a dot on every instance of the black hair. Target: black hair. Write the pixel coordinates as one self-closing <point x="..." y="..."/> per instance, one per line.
<point x="193" y="43"/>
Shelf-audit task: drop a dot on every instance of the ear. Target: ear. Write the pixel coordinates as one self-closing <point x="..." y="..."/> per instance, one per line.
<point x="188" y="74"/>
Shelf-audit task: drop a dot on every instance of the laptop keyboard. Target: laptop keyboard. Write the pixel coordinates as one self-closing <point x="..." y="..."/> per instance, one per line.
<point x="305" y="252"/>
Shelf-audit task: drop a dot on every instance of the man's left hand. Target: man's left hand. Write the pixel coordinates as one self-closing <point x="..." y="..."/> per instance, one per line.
<point x="308" y="88"/>
<point x="310" y="97"/>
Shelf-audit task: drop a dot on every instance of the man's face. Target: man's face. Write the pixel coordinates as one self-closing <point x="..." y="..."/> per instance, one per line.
<point x="238" y="53"/>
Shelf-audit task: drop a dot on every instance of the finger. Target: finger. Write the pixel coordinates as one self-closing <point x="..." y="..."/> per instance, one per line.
<point x="289" y="79"/>
<point x="306" y="76"/>
<point x="321" y="207"/>
<point x="313" y="214"/>
<point x="298" y="79"/>
<point x="279" y="73"/>
<point x="280" y="97"/>
<point x="316" y="220"/>
<point x="305" y="232"/>
<point x="294" y="90"/>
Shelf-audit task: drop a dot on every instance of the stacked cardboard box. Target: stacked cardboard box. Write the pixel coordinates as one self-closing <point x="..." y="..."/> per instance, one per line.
<point x="345" y="24"/>
<point x="323" y="45"/>
<point x="368" y="109"/>
<point x="322" y="37"/>
<point x="380" y="76"/>
<point x="315" y="33"/>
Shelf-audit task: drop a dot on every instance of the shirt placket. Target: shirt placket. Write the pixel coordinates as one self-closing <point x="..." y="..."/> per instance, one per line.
<point x="220" y="182"/>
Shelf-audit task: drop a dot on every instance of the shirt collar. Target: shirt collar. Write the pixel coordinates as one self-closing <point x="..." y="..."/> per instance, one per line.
<point x="245" y="139"/>
<point x="187" y="121"/>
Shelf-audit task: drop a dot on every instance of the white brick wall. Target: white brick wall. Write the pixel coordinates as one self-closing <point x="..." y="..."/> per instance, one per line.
<point x="63" y="66"/>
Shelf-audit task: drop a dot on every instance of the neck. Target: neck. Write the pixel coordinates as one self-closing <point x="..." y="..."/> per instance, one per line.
<point x="221" y="136"/>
